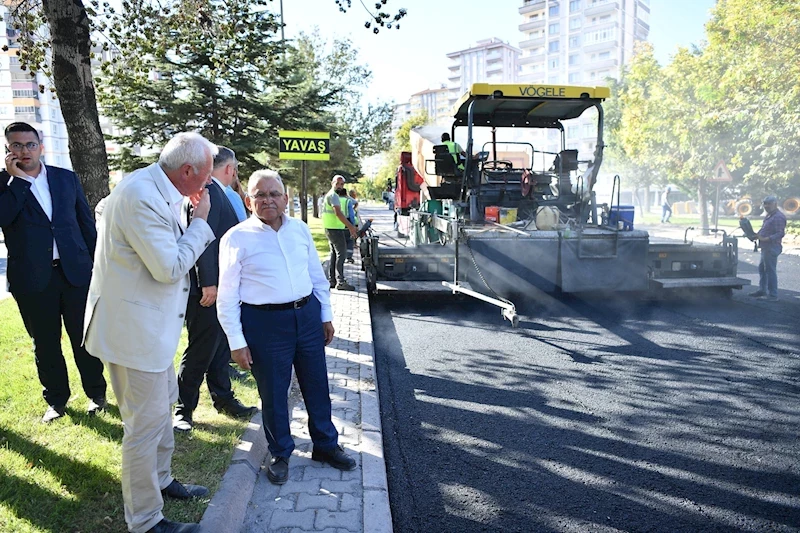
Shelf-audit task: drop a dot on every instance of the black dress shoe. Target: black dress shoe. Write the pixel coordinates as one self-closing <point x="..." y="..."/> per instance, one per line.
<point x="335" y="457"/>
<point x="235" y="373"/>
<point x="278" y="470"/>
<point x="96" y="405"/>
<point x="166" y="526"/>
<point x="53" y="412"/>
<point x="179" y="491"/>
<point x="236" y="409"/>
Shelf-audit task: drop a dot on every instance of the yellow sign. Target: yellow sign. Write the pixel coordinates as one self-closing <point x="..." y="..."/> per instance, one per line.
<point x="305" y="145"/>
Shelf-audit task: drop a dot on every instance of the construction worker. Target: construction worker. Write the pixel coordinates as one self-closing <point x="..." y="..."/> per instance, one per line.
<point x="334" y="220"/>
<point x="454" y="148"/>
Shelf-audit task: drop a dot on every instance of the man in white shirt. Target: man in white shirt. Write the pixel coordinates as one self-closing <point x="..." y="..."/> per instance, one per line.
<point x="274" y="305"/>
<point x="135" y="314"/>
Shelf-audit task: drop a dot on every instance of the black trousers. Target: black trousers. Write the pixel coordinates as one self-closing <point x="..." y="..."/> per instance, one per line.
<point x="42" y="313"/>
<point x="206" y="356"/>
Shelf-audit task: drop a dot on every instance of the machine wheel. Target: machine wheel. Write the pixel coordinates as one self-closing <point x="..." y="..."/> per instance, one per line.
<point x="744" y="208"/>
<point x="791" y="206"/>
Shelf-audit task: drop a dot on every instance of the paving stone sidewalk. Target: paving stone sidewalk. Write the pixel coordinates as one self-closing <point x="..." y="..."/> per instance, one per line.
<point x="316" y="497"/>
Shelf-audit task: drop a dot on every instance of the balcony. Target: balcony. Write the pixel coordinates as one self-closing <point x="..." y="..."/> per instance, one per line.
<point x="532" y="25"/>
<point x="602" y="6"/>
<point x="528" y="60"/>
<point x="28" y="117"/>
<point x="596" y="47"/>
<point x="532" y="43"/>
<point x="602" y="63"/>
<point x="532" y="5"/>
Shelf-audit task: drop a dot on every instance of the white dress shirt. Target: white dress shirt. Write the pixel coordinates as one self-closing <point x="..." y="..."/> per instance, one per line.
<point x="40" y="188"/>
<point x="258" y="265"/>
<point x="176" y="199"/>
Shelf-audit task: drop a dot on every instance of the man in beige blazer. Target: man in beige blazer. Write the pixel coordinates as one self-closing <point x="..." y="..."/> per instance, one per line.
<point x="135" y="312"/>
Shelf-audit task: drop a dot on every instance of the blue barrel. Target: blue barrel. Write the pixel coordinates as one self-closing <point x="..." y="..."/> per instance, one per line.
<point x="621" y="213"/>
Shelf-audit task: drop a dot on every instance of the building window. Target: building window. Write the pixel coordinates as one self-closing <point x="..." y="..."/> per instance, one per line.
<point x="574" y="77"/>
<point x="553" y="29"/>
<point x="553" y="46"/>
<point x="575" y="41"/>
<point x="553" y="11"/>
<point x="574" y="59"/>
<point x="575" y="23"/>
<point x="643" y="15"/>
<point x="604" y="55"/>
<point x="24" y="109"/>
<point x="24" y="93"/>
<point x="574" y="5"/>
<point x="552" y="79"/>
<point x="553" y="63"/>
<point x="54" y="129"/>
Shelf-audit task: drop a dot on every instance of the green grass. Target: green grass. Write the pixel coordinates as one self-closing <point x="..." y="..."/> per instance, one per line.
<point x="694" y="220"/>
<point x="65" y="476"/>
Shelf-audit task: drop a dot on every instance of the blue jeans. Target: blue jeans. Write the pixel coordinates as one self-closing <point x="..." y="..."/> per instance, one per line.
<point x="666" y="213"/>
<point x="768" y="270"/>
<point x="279" y="340"/>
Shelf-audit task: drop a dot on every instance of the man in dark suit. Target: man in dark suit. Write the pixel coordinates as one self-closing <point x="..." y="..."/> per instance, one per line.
<point x="208" y="353"/>
<point x="50" y="236"/>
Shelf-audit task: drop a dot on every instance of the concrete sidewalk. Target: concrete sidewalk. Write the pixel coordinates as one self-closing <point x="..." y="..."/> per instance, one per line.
<point x="316" y="497"/>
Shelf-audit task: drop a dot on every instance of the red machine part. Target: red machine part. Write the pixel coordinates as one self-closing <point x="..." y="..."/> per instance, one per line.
<point x="406" y="194"/>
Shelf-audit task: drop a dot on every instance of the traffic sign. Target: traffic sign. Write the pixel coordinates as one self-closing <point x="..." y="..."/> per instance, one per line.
<point x="305" y="145"/>
<point x="721" y="173"/>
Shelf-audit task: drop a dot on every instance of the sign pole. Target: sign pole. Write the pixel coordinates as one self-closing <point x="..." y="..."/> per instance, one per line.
<point x="716" y="211"/>
<point x="304" y="192"/>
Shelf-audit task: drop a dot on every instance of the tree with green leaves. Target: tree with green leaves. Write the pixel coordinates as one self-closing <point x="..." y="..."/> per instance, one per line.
<point x="64" y="53"/>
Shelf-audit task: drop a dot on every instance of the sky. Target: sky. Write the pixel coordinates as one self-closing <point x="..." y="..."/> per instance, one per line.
<point x="413" y="58"/>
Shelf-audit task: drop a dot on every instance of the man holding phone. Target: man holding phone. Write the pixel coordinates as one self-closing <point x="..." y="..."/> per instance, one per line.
<point x="50" y="236"/>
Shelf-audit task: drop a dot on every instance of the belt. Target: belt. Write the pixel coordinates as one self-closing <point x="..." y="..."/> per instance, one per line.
<point x="56" y="263"/>
<point x="297" y="304"/>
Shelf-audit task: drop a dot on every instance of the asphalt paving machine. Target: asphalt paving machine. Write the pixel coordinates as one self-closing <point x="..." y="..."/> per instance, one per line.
<point x="510" y="219"/>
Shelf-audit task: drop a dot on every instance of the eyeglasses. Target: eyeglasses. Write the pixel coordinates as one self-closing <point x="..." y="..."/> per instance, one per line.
<point x="19" y="146"/>
<point x="261" y="196"/>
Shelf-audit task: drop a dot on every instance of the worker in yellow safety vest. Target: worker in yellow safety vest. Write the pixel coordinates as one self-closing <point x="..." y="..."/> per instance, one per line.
<point x="454" y="148"/>
<point x="334" y="220"/>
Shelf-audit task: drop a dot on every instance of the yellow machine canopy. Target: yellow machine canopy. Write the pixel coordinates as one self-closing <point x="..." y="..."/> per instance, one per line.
<point x="521" y="105"/>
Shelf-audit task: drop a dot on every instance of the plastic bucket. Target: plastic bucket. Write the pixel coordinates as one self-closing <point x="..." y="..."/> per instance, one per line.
<point x="508" y="215"/>
<point x="621" y="216"/>
<point x="491" y="213"/>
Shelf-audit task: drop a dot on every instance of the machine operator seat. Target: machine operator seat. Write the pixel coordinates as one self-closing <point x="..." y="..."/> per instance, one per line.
<point x="445" y="163"/>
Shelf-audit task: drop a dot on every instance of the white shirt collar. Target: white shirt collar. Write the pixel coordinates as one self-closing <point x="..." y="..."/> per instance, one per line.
<point x="215" y="180"/>
<point x="175" y="196"/>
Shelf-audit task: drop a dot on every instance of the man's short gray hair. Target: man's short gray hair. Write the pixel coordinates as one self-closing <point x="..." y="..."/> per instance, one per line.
<point x="224" y="156"/>
<point x="187" y="148"/>
<point x="259" y="175"/>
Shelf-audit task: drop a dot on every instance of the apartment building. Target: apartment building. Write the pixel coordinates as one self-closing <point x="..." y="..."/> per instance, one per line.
<point x="22" y="101"/>
<point x="579" y="42"/>
<point x="435" y="102"/>
<point x="489" y="61"/>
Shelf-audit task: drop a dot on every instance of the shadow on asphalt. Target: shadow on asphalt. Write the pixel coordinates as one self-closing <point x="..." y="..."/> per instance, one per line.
<point x="656" y="428"/>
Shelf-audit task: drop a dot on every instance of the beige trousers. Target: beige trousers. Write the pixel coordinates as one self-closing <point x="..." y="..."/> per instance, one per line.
<point x="145" y="400"/>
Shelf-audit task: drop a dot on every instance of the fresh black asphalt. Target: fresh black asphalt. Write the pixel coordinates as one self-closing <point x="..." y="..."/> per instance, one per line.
<point x="599" y="414"/>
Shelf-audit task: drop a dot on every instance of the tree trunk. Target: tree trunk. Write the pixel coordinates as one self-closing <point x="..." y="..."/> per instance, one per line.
<point x="315" y="207"/>
<point x="702" y="199"/>
<point x="72" y="77"/>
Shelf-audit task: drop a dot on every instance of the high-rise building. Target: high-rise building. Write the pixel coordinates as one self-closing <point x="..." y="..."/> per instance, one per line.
<point x="579" y="42"/>
<point x="21" y="99"/>
<point x="489" y="61"/>
<point x="435" y="102"/>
